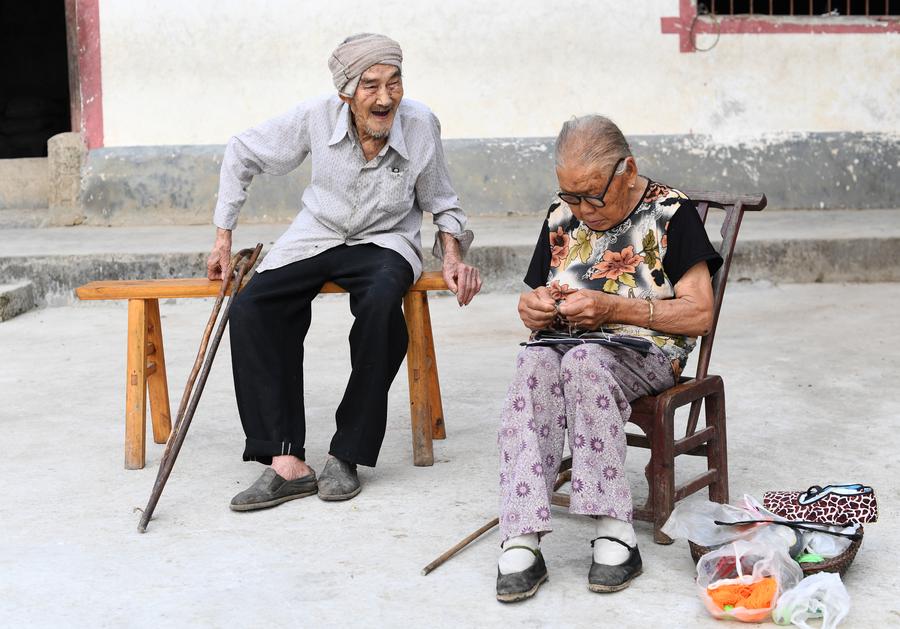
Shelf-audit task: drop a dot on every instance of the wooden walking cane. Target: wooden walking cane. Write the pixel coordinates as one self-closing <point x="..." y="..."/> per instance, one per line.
<point x="241" y="263"/>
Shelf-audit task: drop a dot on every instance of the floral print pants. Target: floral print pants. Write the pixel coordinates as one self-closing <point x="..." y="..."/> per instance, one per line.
<point x="587" y="391"/>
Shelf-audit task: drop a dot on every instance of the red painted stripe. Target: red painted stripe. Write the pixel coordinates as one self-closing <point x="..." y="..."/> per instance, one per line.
<point x="88" y="23"/>
<point x="681" y="25"/>
<point x="732" y="25"/>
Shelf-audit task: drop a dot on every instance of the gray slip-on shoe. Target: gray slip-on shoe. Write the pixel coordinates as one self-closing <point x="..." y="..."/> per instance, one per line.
<point x="603" y="578"/>
<point x="339" y="481"/>
<point x="518" y="586"/>
<point x="270" y="489"/>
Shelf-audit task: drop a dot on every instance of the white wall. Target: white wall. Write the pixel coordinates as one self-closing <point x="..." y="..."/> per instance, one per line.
<point x="196" y="71"/>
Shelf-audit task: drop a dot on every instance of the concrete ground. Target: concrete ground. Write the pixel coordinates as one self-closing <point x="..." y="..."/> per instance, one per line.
<point x="810" y="371"/>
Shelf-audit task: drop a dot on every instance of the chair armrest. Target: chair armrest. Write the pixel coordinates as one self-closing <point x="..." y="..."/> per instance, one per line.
<point x="688" y="391"/>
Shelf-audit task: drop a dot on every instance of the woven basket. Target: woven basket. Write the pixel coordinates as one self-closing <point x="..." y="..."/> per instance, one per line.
<point x="837" y="564"/>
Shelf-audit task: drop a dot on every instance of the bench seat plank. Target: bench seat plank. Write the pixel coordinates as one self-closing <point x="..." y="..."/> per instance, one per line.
<point x="200" y="287"/>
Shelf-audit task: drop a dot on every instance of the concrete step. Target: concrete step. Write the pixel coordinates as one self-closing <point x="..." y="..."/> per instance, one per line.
<point x="30" y="218"/>
<point x="776" y="246"/>
<point x="16" y="299"/>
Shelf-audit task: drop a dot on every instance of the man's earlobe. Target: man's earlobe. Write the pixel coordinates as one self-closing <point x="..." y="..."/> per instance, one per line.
<point x="346" y="99"/>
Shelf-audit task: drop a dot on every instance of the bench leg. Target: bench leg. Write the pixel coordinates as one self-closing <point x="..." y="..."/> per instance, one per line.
<point x="136" y="385"/>
<point x="414" y="305"/>
<point x="157" y="384"/>
<point x="434" y="386"/>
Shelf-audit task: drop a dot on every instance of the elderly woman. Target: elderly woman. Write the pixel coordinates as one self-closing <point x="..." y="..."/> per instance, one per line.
<point x="621" y="286"/>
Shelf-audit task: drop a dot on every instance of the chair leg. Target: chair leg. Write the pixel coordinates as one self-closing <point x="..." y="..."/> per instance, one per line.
<point x="417" y="366"/>
<point x="438" y="430"/>
<point x="136" y="385"/>
<point x="717" y="448"/>
<point x="156" y="376"/>
<point x="662" y="472"/>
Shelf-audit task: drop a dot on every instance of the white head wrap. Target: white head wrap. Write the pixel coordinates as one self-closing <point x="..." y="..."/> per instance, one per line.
<point x="358" y="53"/>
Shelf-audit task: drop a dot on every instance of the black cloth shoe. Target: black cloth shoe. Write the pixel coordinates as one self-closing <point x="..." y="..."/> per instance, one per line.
<point x="604" y="578"/>
<point x="270" y="489"/>
<point x="338" y="481"/>
<point x="518" y="586"/>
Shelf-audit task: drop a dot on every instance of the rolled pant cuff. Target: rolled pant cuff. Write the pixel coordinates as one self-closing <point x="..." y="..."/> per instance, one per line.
<point x="263" y="451"/>
<point x="356" y="459"/>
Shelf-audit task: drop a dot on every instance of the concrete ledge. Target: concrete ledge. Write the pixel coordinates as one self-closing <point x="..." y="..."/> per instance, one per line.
<point x="774" y="246"/>
<point x="780" y="261"/>
<point x="787" y="261"/>
<point x="15" y="299"/>
<point x="802" y="261"/>
<point x="178" y="184"/>
<point x="56" y="277"/>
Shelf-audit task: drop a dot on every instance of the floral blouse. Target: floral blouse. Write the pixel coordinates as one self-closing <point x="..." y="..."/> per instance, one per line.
<point x="642" y="257"/>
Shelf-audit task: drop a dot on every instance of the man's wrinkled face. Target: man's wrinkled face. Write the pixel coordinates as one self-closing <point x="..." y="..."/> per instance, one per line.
<point x="375" y="102"/>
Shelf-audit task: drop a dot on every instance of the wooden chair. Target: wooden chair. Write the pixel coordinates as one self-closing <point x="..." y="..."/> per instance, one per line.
<point x="145" y="368"/>
<point x="655" y="414"/>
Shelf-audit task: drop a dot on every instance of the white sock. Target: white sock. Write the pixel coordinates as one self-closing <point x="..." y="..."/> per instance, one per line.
<point x="518" y="559"/>
<point x="612" y="553"/>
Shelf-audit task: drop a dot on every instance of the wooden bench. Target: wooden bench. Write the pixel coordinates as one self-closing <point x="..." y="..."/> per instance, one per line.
<point x="145" y="369"/>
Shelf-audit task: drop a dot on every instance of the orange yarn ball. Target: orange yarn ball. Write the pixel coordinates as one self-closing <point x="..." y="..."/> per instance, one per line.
<point x="758" y="595"/>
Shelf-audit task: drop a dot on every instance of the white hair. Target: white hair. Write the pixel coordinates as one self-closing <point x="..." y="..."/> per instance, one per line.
<point x="591" y="140"/>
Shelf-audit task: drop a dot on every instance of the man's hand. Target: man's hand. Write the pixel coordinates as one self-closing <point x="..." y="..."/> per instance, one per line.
<point x="589" y="309"/>
<point x="537" y="308"/>
<point x="220" y="257"/>
<point x="462" y="279"/>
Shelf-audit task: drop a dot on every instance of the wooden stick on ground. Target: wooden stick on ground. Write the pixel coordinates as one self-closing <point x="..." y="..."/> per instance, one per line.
<point x="465" y="542"/>
<point x="563" y="477"/>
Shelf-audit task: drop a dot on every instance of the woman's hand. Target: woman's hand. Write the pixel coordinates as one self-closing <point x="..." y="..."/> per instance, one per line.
<point x="690" y="313"/>
<point x="588" y="309"/>
<point x="537" y="308"/>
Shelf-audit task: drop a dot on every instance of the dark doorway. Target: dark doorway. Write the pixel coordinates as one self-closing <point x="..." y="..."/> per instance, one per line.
<point x="34" y="79"/>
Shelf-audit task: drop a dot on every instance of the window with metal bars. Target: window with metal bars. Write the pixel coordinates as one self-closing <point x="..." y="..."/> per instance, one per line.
<point x="864" y="8"/>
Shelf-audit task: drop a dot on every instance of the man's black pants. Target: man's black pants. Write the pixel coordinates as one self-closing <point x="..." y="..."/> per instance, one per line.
<point x="269" y="320"/>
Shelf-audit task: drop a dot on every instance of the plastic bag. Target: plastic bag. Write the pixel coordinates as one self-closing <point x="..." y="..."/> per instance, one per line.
<point x="747" y="564"/>
<point x="822" y="544"/>
<point x="820" y="595"/>
<point x="696" y="521"/>
<point x="828" y="546"/>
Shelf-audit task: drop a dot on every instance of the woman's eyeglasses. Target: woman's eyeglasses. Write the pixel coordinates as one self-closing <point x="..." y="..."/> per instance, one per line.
<point x="595" y="201"/>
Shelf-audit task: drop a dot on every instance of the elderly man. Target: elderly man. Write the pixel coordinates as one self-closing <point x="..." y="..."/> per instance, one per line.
<point x="377" y="164"/>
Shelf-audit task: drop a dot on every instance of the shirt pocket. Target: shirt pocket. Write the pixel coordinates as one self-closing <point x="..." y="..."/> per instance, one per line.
<point x="395" y="194"/>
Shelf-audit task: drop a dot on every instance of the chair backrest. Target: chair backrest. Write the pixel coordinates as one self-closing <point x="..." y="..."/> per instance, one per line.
<point x="734" y="206"/>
